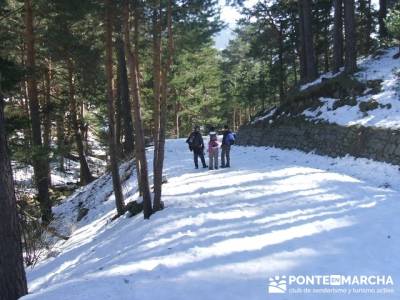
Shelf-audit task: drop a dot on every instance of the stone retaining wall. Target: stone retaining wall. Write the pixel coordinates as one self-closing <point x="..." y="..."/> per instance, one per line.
<point x="323" y="138"/>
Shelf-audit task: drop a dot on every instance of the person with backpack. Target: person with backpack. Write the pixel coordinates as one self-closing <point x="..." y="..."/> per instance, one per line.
<point x="196" y="144"/>
<point x="213" y="150"/>
<point x="228" y="139"/>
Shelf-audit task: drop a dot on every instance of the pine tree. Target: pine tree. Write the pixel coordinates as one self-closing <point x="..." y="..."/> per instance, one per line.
<point x="350" y="64"/>
<point x="123" y="87"/>
<point x="119" y="198"/>
<point x="12" y="274"/>
<point x="132" y="58"/>
<point x="393" y="26"/>
<point x="307" y="40"/>
<point x="159" y="156"/>
<point x="40" y="162"/>
<point x="338" y="35"/>
<point x="381" y="18"/>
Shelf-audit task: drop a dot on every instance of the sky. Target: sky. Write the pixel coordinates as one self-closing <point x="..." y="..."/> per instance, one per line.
<point x="231" y="15"/>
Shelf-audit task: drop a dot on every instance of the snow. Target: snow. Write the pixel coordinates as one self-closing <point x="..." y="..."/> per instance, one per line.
<point x="223" y="233"/>
<point x="319" y="79"/>
<point x="266" y="116"/>
<point x="23" y="173"/>
<point x="383" y="68"/>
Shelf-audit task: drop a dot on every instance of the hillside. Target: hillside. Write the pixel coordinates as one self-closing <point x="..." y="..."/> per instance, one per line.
<point x="372" y="100"/>
<point x="224" y="233"/>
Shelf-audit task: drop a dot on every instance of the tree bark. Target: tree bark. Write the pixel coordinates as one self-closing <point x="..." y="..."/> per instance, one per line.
<point x="118" y="115"/>
<point x="282" y="79"/>
<point x="158" y="172"/>
<point x="47" y="117"/>
<point x="60" y="139"/>
<point x="125" y="101"/>
<point x="85" y="175"/>
<point x="136" y="64"/>
<point x="370" y="23"/>
<point x="326" y="46"/>
<point x="383" y="32"/>
<point x="119" y="198"/>
<point x="350" y="64"/>
<point x="302" y="49"/>
<point x="156" y="79"/>
<point x="12" y="274"/>
<point x="234" y="119"/>
<point x="365" y="26"/>
<point x="311" y="66"/>
<point x="337" y="35"/>
<point x="39" y="157"/>
<point x="143" y="181"/>
<point x="177" y="119"/>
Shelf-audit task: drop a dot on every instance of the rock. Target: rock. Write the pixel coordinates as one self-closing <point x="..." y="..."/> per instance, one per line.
<point x="345" y="101"/>
<point x="134" y="208"/>
<point x="369" y="105"/>
<point x="83" y="211"/>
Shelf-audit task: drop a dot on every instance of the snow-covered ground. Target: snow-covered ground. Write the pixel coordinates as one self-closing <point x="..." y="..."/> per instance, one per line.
<point x="224" y="233"/>
<point x="23" y="173"/>
<point x="386" y="115"/>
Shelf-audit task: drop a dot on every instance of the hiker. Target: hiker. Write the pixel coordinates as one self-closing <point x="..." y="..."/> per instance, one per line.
<point x="213" y="150"/>
<point x="196" y="144"/>
<point x="228" y="139"/>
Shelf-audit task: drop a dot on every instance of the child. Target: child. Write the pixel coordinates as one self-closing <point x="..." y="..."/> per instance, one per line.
<point x="213" y="150"/>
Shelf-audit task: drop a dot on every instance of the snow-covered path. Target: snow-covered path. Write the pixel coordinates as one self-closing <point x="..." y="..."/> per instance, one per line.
<point x="224" y="233"/>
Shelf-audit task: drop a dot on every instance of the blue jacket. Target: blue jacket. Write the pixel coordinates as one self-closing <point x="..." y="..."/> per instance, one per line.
<point x="228" y="138"/>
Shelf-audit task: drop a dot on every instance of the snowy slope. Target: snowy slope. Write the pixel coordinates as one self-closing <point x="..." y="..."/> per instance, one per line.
<point x="385" y="109"/>
<point x="224" y="233"/>
<point x="386" y="115"/>
<point x="23" y="173"/>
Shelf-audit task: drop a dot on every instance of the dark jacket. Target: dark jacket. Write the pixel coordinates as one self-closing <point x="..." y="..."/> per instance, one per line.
<point x="228" y="138"/>
<point x="195" y="141"/>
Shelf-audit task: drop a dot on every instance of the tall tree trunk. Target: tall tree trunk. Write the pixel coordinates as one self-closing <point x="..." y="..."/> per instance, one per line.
<point x="12" y="274"/>
<point x="119" y="198"/>
<point x="370" y="24"/>
<point x="177" y="118"/>
<point x="47" y="117"/>
<point x="163" y="115"/>
<point x="85" y="175"/>
<point x="302" y="45"/>
<point x="281" y="66"/>
<point x="156" y="78"/>
<point x="326" y="48"/>
<point x="139" y="163"/>
<point x="136" y="17"/>
<point x="294" y="62"/>
<point x="60" y="139"/>
<point x="139" y="133"/>
<point x="383" y="32"/>
<point x="24" y="99"/>
<point x="338" y="35"/>
<point x="118" y="115"/>
<point x="365" y="26"/>
<point x="350" y="64"/>
<point x="311" y="66"/>
<point x="234" y="126"/>
<point x="125" y="101"/>
<point x="39" y="157"/>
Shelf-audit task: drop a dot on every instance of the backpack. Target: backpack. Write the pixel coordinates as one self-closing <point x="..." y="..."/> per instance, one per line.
<point x="195" y="141"/>
<point x="231" y="138"/>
